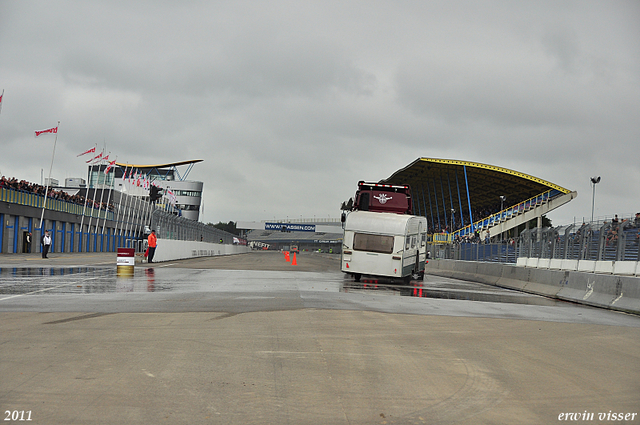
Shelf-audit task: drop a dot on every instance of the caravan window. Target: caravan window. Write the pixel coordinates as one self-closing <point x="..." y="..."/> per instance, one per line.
<point x="373" y="243"/>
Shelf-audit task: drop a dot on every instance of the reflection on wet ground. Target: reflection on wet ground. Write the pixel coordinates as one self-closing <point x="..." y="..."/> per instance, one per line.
<point x="95" y="280"/>
<point x="450" y="291"/>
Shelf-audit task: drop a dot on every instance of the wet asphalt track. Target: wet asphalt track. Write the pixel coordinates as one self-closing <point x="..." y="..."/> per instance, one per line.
<point x="182" y="341"/>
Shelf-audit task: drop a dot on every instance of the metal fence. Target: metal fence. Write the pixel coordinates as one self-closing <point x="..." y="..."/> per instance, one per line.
<point x="597" y="241"/>
<point x="170" y="226"/>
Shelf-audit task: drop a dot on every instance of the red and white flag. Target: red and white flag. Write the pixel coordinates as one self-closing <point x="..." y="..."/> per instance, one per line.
<point x="53" y="130"/>
<point x="95" y="158"/>
<point x="92" y="150"/>
<point x="106" y="170"/>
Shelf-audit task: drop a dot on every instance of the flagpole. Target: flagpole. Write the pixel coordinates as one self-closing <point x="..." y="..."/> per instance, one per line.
<point x="46" y="189"/>
<point x="84" y="208"/>
<point x="120" y="200"/>
<point x="93" y="203"/>
<point x="109" y="197"/>
<point x="104" y="183"/>
<point x="125" y="225"/>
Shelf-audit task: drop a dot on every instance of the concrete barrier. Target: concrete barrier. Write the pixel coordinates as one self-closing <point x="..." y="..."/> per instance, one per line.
<point x="627" y="268"/>
<point x="569" y="265"/>
<point x="629" y="298"/>
<point x="586" y="266"/>
<point x="169" y="249"/>
<point x="514" y="277"/>
<point x="532" y="262"/>
<point x="601" y="290"/>
<point x="555" y="264"/>
<point x="543" y="263"/>
<point x="489" y="273"/>
<point x="604" y="267"/>
<point x="546" y="282"/>
<point x="624" y="268"/>
<point x="591" y="289"/>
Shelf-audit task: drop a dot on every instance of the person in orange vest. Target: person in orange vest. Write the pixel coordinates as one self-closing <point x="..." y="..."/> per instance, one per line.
<point x="153" y="242"/>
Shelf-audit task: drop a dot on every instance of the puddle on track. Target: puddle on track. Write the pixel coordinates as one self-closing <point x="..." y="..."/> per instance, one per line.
<point x="96" y="280"/>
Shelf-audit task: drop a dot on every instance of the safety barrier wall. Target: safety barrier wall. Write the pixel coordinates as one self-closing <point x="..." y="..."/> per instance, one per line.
<point x="609" y="291"/>
<point x="623" y="268"/>
<point x="171" y="249"/>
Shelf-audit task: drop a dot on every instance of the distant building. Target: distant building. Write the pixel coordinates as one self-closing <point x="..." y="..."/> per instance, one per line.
<point x="188" y="193"/>
<point x="75" y="182"/>
<point x="51" y="182"/>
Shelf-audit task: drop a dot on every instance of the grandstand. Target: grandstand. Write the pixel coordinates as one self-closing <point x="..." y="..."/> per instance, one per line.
<point x="462" y="200"/>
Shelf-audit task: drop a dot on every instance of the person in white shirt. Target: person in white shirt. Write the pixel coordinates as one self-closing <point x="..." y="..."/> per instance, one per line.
<point x="46" y="244"/>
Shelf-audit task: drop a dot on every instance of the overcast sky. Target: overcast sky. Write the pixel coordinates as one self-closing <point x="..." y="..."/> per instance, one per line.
<point x="291" y="103"/>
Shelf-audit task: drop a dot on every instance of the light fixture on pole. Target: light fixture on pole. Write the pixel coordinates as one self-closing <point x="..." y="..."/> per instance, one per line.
<point x="594" y="182"/>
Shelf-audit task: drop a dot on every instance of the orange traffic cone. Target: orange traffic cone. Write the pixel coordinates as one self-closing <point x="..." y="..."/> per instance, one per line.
<point x="294" y="262"/>
<point x="286" y="255"/>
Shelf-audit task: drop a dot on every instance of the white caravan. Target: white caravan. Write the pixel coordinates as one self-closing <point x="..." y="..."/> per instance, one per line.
<point x="384" y="244"/>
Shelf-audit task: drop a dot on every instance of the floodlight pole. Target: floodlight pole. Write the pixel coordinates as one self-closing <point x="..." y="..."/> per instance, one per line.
<point x="502" y="199"/>
<point x="594" y="182"/>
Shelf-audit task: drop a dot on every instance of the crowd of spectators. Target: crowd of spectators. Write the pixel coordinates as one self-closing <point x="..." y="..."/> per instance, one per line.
<point x="619" y="225"/>
<point x="28" y="187"/>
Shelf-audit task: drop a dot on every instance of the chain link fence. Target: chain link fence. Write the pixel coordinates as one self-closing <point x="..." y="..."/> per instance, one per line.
<point x="170" y="226"/>
<point x="615" y="240"/>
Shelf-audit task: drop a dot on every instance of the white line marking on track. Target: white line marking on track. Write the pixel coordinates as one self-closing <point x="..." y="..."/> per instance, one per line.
<point x="49" y="289"/>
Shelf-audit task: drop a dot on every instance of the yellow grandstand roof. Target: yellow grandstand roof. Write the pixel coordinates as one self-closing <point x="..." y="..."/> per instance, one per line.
<point x="169" y="164"/>
<point x="443" y="181"/>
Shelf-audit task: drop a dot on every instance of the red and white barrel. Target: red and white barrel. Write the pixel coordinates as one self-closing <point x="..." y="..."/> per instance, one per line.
<point x="126" y="261"/>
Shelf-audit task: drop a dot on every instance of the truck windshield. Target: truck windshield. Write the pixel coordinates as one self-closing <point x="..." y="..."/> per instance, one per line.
<point x="373" y="243"/>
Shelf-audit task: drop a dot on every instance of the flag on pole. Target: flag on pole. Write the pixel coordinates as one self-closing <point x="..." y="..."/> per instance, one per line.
<point x="53" y="130"/>
<point x="92" y="150"/>
<point x="106" y="170"/>
<point x="1" y="96"/>
<point x="95" y="158"/>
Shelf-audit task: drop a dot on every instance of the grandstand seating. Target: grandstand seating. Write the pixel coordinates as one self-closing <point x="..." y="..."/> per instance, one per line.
<point x="516" y="214"/>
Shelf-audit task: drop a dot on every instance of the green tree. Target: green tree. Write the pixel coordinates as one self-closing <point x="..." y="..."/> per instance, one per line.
<point x="227" y="227"/>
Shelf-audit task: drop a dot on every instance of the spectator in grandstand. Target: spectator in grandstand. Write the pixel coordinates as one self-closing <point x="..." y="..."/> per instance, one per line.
<point x="615" y="221"/>
<point x="637" y="220"/>
<point x="25" y="186"/>
<point x="612" y="235"/>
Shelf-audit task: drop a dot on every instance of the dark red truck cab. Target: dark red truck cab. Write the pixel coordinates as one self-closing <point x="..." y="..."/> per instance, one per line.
<point x="377" y="197"/>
